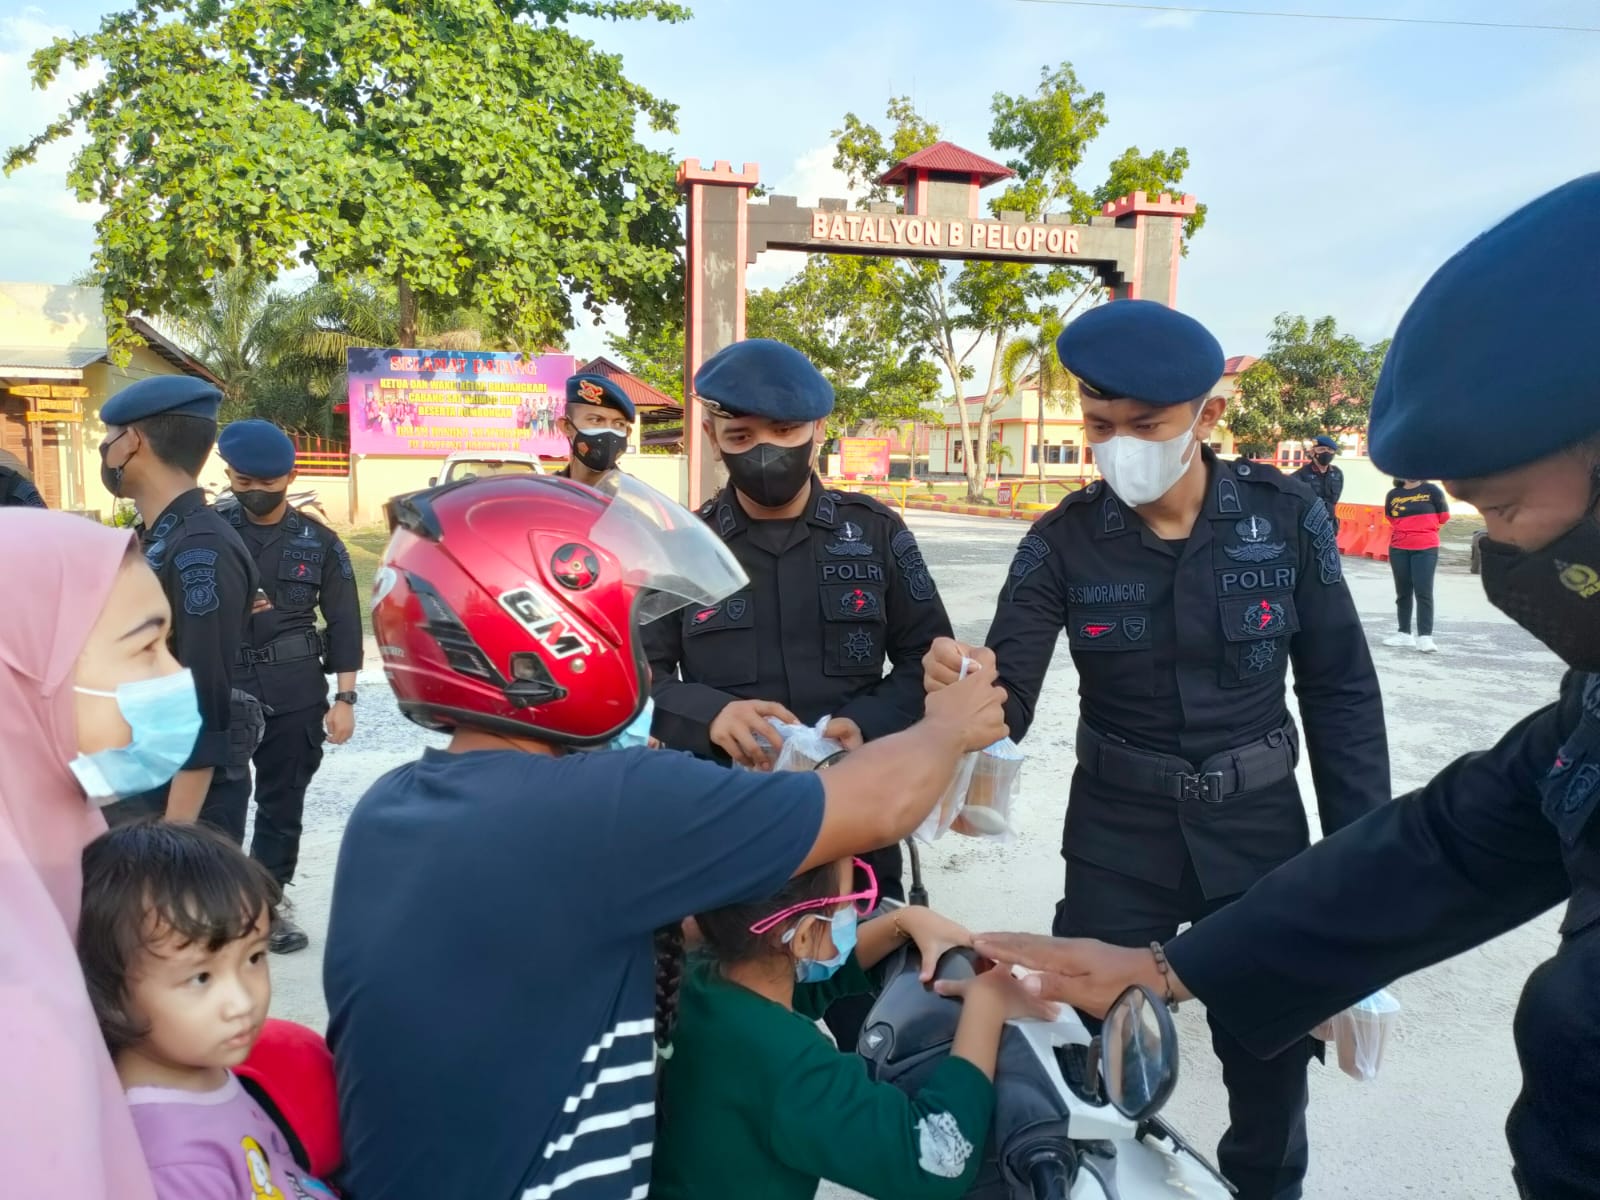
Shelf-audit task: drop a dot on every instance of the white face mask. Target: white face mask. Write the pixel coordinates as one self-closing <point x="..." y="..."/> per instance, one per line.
<point x="1141" y="471"/>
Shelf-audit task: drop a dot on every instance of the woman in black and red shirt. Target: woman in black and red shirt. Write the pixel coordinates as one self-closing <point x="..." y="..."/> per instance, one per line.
<point x="1415" y="510"/>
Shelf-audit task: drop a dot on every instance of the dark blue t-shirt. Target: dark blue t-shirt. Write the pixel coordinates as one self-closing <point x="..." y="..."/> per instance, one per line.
<point x="490" y="966"/>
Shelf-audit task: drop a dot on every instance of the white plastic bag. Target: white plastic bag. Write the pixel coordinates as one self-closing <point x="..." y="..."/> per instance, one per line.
<point x="944" y="814"/>
<point x="803" y="745"/>
<point x="1361" y="1033"/>
<point x="991" y="793"/>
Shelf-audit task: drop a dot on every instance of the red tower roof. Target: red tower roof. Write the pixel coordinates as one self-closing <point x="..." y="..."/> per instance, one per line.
<point x="946" y="157"/>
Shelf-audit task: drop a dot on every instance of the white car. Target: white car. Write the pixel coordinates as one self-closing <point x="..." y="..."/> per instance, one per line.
<point x="477" y="464"/>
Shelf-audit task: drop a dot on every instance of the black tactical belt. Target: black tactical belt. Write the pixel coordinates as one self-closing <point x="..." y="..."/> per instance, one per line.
<point x="1259" y="764"/>
<point x="291" y="647"/>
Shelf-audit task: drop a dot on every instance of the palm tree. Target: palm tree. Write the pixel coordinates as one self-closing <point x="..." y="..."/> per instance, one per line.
<point x="235" y="334"/>
<point x="1032" y="357"/>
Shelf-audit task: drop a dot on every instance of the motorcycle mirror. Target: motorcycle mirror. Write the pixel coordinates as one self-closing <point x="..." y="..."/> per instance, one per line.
<point x="1138" y="1054"/>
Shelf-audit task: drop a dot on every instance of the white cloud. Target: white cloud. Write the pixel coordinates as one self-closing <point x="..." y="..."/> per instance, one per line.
<point x="1170" y="20"/>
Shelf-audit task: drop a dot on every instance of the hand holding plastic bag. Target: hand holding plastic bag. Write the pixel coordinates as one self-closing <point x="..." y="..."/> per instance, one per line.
<point x="992" y="792"/>
<point x="804" y="746"/>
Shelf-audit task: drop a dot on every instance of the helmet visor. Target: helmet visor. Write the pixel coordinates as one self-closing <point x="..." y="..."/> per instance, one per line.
<point x="666" y="552"/>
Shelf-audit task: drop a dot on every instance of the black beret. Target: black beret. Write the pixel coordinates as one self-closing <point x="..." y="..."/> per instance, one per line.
<point x="1494" y="364"/>
<point x="181" y="394"/>
<point x="257" y="448"/>
<point x="759" y="377"/>
<point x="599" y="390"/>
<point x="1141" y="350"/>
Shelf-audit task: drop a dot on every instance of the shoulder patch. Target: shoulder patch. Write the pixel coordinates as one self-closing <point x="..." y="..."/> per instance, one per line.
<point x="165" y="526"/>
<point x="1324" y="536"/>
<point x="1030" y="556"/>
<point x="199" y="584"/>
<point x="198" y="556"/>
<point x="913" y="569"/>
<point x="343" y="556"/>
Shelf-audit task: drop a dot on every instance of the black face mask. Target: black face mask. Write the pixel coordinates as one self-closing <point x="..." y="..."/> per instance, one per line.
<point x="259" y="502"/>
<point x="111" y="477"/>
<point x="770" y="475"/>
<point x="1324" y="457"/>
<point x="1553" y="593"/>
<point x="599" y="449"/>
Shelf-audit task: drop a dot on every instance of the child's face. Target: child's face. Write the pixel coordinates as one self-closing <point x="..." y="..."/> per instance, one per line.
<point x="814" y="937"/>
<point x="203" y="1009"/>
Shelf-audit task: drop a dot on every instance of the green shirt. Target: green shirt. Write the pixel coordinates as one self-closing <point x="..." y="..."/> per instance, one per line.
<point x="758" y="1102"/>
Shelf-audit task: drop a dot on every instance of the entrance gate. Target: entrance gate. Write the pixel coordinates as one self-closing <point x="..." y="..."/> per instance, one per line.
<point x="1134" y="245"/>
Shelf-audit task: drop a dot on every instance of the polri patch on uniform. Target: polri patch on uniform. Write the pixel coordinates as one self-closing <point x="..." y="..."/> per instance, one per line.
<point x="849" y="543"/>
<point x="1228" y="496"/>
<point x="736" y="608"/>
<point x="1111" y="515"/>
<point x="1095" y="630"/>
<point x="1263" y="619"/>
<point x="1254" y="532"/>
<point x="859" y="603"/>
<point x="197" y="576"/>
<point x="1259" y="657"/>
<point x="1133" y="628"/>
<point x="1030" y="556"/>
<point x="726" y="523"/>
<point x="345" y="569"/>
<point x="296" y="593"/>
<point x="859" y="646"/>
<point x="826" y="512"/>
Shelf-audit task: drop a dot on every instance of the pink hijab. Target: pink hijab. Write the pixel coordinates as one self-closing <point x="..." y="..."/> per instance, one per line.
<point x="66" y="1129"/>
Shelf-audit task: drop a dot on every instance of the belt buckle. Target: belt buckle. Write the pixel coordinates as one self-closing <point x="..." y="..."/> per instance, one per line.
<point x="1206" y="787"/>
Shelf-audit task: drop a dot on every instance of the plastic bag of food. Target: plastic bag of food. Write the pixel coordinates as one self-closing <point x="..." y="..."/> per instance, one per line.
<point x="991" y="792"/>
<point x="803" y="745"/>
<point x="944" y="813"/>
<point x="1361" y="1033"/>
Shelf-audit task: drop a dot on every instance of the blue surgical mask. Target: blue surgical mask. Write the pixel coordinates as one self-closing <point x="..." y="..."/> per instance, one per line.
<point x="165" y="718"/>
<point x="842" y="928"/>
<point x="638" y="731"/>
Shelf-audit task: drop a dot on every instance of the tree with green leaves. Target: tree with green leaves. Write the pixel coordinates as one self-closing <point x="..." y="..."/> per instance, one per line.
<point x="840" y="312"/>
<point x="1030" y="359"/>
<point x="655" y="355"/>
<point x="470" y="154"/>
<point x="1311" y="380"/>
<point x="955" y="313"/>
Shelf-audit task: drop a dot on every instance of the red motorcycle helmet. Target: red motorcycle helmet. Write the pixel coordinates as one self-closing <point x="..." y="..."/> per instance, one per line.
<point x="512" y="603"/>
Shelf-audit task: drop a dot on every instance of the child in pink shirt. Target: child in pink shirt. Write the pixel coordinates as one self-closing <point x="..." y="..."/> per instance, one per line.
<point x="173" y="943"/>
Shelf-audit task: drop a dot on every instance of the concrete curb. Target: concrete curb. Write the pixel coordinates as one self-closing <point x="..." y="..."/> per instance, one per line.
<point x="973" y="510"/>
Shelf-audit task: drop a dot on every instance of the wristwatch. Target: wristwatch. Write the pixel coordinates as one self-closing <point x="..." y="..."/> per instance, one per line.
<point x="344" y="697"/>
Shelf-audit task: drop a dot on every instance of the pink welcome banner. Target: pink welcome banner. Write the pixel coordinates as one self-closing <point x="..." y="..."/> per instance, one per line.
<point x="429" y="403"/>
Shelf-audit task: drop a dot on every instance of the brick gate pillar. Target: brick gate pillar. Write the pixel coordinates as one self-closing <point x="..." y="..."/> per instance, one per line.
<point x="714" y="262"/>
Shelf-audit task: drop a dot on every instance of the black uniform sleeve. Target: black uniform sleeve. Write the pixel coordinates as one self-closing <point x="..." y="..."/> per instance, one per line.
<point x="1335" y="486"/>
<point x="1336" y="683"/>
<point x="916" y="616"/>
<point x="341" y="609"/>
<point x="1028" y="619"/>
<point x="26" y="494"/>
<point x="684" y="711"/>
<point x="1447" y="868"/>
<point x="209" y="585"/>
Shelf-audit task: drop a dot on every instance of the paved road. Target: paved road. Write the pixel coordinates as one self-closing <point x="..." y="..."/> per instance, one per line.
<point x="1430" y="1126"/>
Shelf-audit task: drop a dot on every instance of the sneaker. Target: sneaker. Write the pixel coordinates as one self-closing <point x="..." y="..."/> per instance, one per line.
<point x="1425" y="644"/>
<point x="285" y="937"/>
<point x="1400" y="639"/>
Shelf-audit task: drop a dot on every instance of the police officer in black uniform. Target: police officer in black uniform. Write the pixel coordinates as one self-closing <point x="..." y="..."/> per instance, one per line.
<point x="1325" y="480"/>
<point x="286" y="661"/>
<point x="838" y="587"/>
<point x="158" y="434"/>
<point x="1490" y="385"/>
<point x="1186" y="585"/>
<point x="16" y="489"/>
<point x="597" y="421"/>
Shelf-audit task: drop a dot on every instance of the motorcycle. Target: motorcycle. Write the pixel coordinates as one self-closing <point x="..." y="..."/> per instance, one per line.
<point x="1077" y="1115"/>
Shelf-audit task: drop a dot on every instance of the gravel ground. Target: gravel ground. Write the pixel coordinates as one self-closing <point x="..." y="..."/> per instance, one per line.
<point x="1430" y="1125"/>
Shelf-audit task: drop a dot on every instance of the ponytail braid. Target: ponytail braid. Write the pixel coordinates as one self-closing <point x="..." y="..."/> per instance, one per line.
<point x="669" y="973"/>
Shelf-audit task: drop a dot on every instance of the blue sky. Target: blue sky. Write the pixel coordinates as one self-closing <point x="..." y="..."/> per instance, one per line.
<point x="1341" y="162"/>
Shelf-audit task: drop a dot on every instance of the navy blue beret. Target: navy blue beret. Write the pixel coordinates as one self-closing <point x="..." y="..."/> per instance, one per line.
<point x="600" y="390"/>
<point x="1141" y="350"/>
<point x="256" y="448"/>
<point x="1493" y="365"/>
<point x="759" y="377"/>
<point x="182" y="394"/>
<point x="1324" y="440"/>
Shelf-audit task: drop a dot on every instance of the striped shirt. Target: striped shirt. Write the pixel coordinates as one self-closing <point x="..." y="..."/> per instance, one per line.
<point x="490" y="967"/>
